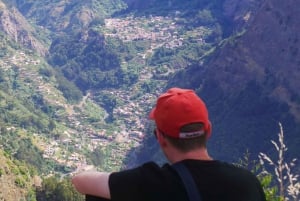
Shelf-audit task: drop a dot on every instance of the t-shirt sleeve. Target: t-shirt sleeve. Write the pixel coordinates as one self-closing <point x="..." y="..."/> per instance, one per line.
<point x="94" y="198"/>
<point x="259" y="189"/>
<point x="252" y="189"/>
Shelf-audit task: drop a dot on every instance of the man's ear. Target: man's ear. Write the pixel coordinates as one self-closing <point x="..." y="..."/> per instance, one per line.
<point x="208" y="130"/>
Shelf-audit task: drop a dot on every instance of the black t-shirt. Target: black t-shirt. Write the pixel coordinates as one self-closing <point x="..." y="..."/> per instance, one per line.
<point x="216" y="181"/>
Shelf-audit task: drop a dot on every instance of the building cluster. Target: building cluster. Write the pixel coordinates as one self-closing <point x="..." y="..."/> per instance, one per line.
<point x="160" y="30"/>
<point x="129" y="134"/>
<point x="66" y="148"/>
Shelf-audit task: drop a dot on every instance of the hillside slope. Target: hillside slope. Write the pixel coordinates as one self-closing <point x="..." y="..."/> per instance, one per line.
<point x="251" y="82"/>
<point x="67" y="16"/>
<point x="16" y="180"/>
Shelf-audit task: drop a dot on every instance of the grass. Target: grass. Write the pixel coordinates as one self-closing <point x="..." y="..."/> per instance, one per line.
<point x="287" y="182"/>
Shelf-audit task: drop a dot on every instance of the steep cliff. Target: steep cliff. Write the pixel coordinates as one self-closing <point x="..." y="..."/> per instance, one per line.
<point x="19" y="30"/>
<point x="67" y="16"/>
<point x="269" y="49"/>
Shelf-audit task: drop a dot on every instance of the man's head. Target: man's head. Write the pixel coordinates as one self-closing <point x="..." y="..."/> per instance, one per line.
<point x="177" y="108"/>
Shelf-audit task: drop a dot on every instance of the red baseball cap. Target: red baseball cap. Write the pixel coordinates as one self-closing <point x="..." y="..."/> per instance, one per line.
<point x="178" y="107"/>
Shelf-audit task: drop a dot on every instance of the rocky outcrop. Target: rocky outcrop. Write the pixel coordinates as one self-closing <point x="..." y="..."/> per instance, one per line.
<point x="19" y="30"/>
<point x="68" y="16"/>
<point x="241" y="12"/>
<point x="269" y="46"/>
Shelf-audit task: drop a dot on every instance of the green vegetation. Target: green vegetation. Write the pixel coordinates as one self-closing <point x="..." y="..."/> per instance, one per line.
<point x="69" y="90"/>
<point x="16" y="175"/>
<point x="96" y="157"/>
<point x="23" y="149"/>
<point x="101" y="80"/>
<point x="90" y="64"/>
<point x="5" y="45"/>
<point x="42" y="12"/>
<point x="57" y="190"/>
<point x="277" y="178"/>
<point x="93" y="113"/>
<point x="287" y="185"/>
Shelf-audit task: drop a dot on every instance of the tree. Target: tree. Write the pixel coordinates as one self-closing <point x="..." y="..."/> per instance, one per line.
<point x="69" y="90"/>
<point x="55" y="189"/>
<point x="97" y="156"/>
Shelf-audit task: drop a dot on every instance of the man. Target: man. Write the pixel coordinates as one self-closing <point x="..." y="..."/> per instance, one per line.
<point x="182" y="129"/>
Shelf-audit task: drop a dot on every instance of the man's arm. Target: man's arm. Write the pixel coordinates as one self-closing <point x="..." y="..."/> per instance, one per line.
<point x="92" y="183"/>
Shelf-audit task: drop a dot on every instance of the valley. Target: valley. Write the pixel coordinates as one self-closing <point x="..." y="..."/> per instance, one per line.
<point x="76" y="133"/>
<point x="78" y="79"/>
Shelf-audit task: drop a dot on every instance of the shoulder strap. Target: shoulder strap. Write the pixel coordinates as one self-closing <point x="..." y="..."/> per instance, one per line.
<point x="188" y="181"/>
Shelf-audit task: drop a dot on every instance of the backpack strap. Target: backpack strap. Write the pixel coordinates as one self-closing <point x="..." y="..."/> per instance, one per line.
<point x="188" y="181"/>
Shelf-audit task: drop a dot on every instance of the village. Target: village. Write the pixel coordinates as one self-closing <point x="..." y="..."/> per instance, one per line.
<point x="79" y="135"/>
<point x="159" y="30"/>
<point x="131" y="116"/>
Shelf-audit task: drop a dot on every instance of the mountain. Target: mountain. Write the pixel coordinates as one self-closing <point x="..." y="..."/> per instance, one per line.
<point x="257" y="78"/>
<point x="235" y="12"/>
<point x="250" y="82"/>
<point x="78" y="78"/>
<point x="61" y="16"/>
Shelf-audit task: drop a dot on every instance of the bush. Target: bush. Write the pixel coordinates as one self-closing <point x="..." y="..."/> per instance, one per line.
<point x="20" y="182"/>
<point x="280" y="185"/>
<point x="55" y="189"/>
